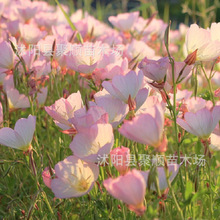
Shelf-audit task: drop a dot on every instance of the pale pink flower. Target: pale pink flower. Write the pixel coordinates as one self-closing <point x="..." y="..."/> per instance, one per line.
<point x="155" y="70"/>
<point x="74" y="178"/>
<point x="181" y="95"/>
<point x="47" y="176"/>
<point x="98" y="28"/>
<point x="111" y="38"/>
<point x="16" y="100"/>
<point x="156" y="28"/>
<point x="1" y="8"/>
<point x="42" y="96"/>
<point x="63" y="109"/>
<point x="46" y="19"/>
<point x="94" y="142"/>
<point x="77" y="15"/>
<point x="215" y="31"/>
<point x="130" y="188"/>
<point x="13" y="27"/>
<point x="116" y="109"/>
<point x="62" y="31"/>
<point x="61" y="48"/>
<point x="138" y="49"/>
<point x="196" y="103"/>
<point x="21" y="137"/>
<point x="201" y="40"/>
<point x="84" y="58"/>
<point x="26" y="9"/>
<point x="31" y="34"/>
<point x="141" y="97"/>
<point x="8" y="82"/>
<point x="123" y="86"/>
<point x="120" y="67"/>
<point x="124" y="21"/>
<point x="201" y="123"/>
<point x="119" y="158"/>
<point x="215" y="139"/>
<point x="42" y="68"/>
<point x="83" y="119"/>
<point x="150" y="102"/>
<point x="146" y="128"/>
<point x="173" y="171"/>
<point x="7" y="56"/>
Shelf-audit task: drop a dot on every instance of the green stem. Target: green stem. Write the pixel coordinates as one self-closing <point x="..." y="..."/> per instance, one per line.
<point x="210" y="85"/>
<point x="174" y="120"/>
<point x="173" y="194"/>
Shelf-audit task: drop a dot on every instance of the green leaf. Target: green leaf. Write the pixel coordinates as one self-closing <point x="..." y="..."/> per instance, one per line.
<point x="188" y="189"/>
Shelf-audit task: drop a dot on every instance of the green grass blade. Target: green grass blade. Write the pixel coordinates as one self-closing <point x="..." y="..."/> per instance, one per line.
<point x="78" y="35"/>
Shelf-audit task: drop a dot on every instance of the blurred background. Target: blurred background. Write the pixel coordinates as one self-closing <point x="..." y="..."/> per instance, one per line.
<point x="203" y="12"/>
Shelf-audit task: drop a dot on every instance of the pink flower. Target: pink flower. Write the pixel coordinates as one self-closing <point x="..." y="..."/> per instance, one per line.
<point x="31" y="34"/>
<point x="138" y="49"/>
<point x="94" y="142"/>
<point x="116" y="109"/>
<point x="63" y="109"/>
<point x="201" y="123"/>
<point x="27" y="9"/>
<point x="74" y="178"/>
<point x="124" y="21"/>
<point x="208" y="48"/>
<point x="13" y="27"/>
<point x="119" y="156"/>
<point x="181" y="95"/>
<point x="196" y="103"/>
<point x="6" y="56"/>
<point x="61" y="48"/>
<point x="123" y="86"/>
<point x="155" y="70"/>
<point x="173" y="171"/>
<point x="215" y="139"/>
<point x="130" y="188"/>
<point x="84" y="58"/>
<point x="150" y="102"/>
<point x="110" y="70"/>
<point x="47" y="177"/>
<point x="16" y="100"/>
<point x="146" y="128"/>
<point x="42" y="96"/>
<point x="83" y="119"/>
<point x="46" y="19"/>
<point x="215" y="31"/>
<point x="1" y="8"/>
<point x="22" y="135"/>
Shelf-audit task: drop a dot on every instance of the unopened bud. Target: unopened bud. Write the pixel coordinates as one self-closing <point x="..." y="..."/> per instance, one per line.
<point x="131" y="104"/>
<point x="191" y="58"/>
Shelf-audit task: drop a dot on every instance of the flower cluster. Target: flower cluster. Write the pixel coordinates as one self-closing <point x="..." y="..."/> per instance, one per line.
<point x="121" y="93"/>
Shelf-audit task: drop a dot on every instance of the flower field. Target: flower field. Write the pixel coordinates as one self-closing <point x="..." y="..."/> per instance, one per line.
<point x="115" y="119"/>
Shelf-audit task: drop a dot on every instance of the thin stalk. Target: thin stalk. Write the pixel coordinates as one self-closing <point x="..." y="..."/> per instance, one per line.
<point x="172" y="193"/>
<point x="174" y="120"/>
<point x="210" y="85"/>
